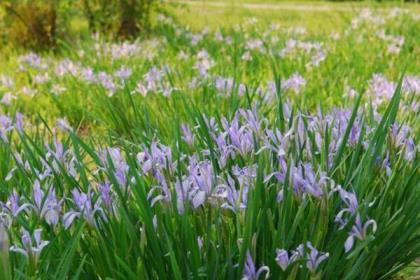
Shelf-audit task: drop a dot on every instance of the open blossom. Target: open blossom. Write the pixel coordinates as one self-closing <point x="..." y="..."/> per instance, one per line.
<point x="12" y="205"/>
<point x="30" y="249"/>
<point x="113" y="159"/>
<point x="84" y="208"/>
<point x="203" y="63"/>
<point x="314" y="258"/>
<point x="88" y="75"/>
<point x="106" y="194"/>
<point x="400" y="138"/>
<point x="411" y="84"/>
<point x="8" y="98"/>
<point x="359" y="231"/>
<point x="350" y="200"/>
<point x="107" y="82"/>
<point x="187" y="134"/>
<point x="156" y="157"/>
<point x="123" y="73"/>
<point x="47" y="207"/>
<point x="232" y="198"/>
<point x="196" y="186"/>
<point x="380" y="89"/>
<point x="295" y="83"/>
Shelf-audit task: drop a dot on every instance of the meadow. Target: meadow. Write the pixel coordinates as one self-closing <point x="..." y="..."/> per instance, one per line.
<point x="259" y="142"/>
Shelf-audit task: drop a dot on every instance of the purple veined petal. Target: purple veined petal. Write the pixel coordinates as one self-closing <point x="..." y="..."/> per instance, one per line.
<point x="147" y="166"/>
<point x="26" y="239"/>
<point x="69" y="217"/>
<point x="282" y="258"/>
<point x="38" y="194"/>
<point x="37" y="236"/>
<point x="349" y="243"/>
<point x="187" y="134"/>
<point x="315" y="258"/>
<point x="198" y="199"/>
<point x="249" y="269"/>
<point x="51" y="217"/>
<point x="221" y="191"/>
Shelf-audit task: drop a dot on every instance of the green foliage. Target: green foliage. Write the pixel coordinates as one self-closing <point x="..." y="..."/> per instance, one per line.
<point x="31" y="23"/>
<point x="43" y="24"/>
<point x="118" y="18"/>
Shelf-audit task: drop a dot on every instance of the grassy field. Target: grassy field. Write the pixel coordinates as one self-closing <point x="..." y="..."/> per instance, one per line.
<point x="277" y="139"/>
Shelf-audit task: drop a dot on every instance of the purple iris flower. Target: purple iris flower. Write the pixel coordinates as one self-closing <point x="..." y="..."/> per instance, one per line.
<point x="305" y="180"/>
<point x="6" y="125"/>
<point x="350" y="200"/>
<point x="315" y="258"/>
<point x="12" y="205"/>
<point x="120" y="165"/>
<point x="196" y="186"/>
<point x="84" y="208"/>
<point x="47" y="207"/>
<point x="187" y="134"/>
<point x="232" y="198"/>
<point x="165" y="193"/>
<point x="106" y="194"/>
<point x="30" y="249"/>
<point x="157" y="157"/>
<point x="251" y="272"/>
<point x="282" y="258"/>
<point x="359" y="231"/>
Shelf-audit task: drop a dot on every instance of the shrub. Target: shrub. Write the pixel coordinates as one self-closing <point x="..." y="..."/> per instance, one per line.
<point x="31" y="23"/>
<point x="118" y="18"/>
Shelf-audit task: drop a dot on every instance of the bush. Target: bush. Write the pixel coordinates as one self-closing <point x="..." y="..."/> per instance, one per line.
<point x="41" y="24"/>
<point x="31" y="23"/>
<point x="118" y="18"/>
